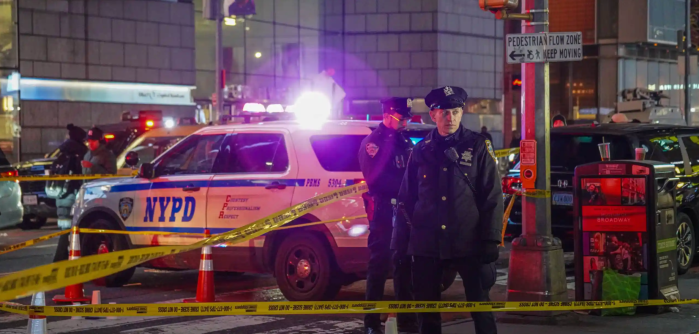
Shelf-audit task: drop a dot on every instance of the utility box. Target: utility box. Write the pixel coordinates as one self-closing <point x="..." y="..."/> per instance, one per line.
<point x="625" y="221"/>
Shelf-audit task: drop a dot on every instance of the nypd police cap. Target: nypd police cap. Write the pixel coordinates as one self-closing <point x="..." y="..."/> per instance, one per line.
<point x="446" y="98"/>
<point x="400" y="105"/>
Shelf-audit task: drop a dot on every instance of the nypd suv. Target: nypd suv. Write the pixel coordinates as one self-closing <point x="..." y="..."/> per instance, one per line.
<point x="223" y="177"/>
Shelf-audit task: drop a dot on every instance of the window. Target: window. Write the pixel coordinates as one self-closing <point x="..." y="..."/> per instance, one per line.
<point x="151" y="148"/>
<point x="338" y="153"/>
<point x="196" y="155"/>
<point x="253" y="153"/>
<point x="665" y="149"/>
<point x="569" y="151"/>
<point x="691" y="144"/>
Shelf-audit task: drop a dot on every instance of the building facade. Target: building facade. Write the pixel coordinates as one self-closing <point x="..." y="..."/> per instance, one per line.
<point x="87" y="61"/>
<point x="377" y="48"/>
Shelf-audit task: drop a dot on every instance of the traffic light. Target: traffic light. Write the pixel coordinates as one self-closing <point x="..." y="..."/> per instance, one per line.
<point x="681" y="41"/>
<point x="498" y="5"/>
<point x="516" y="82"/>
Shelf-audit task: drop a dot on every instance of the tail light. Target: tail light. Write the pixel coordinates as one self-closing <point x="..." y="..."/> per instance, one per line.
<point x="109" y="137"/>
<point x="13" y="173"/>
<point x="358" y="181"/>
<point x="511" y="185"/>
<point x="150" y="123"/>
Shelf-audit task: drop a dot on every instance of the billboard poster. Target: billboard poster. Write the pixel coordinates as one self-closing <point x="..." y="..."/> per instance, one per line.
<point x="614" y="225"/>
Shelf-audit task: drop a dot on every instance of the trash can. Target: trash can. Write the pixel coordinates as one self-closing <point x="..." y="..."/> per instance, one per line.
<point x="625" y="222"/>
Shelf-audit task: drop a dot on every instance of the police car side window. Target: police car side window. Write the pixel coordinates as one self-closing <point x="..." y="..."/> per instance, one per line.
<point x="253" y="153"/>
<point x="196" y="155"/>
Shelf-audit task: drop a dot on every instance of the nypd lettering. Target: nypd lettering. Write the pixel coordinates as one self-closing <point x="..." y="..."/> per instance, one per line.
<point x="177" y="206"/>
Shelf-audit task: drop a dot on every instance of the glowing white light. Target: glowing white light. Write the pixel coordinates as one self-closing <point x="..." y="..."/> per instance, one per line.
<point x="258" y="54"/>
<point x="229" y="21"/>
<point x="275" y="108"/>
<point x="254" y="107"/>
<point x="511" y="157"/>
<point x="312" y="108"/>
<point x="357" y="230"/>
<point x="169" y="123"/>
<point x="692" y="110"/>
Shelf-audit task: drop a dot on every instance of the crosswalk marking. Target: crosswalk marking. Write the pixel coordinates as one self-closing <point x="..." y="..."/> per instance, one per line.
<point x="206" y="325"/>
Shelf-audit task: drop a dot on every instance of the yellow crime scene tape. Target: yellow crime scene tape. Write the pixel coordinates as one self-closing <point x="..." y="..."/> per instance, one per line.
<point x="536" y="193"/>
<point x="60" y="274"/>
<point x="334" y="307"/>
<point x="506" y="152"/>
<point x="31" y="242"/>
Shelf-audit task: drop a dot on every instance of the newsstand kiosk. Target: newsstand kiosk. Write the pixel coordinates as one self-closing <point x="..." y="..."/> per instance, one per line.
<point x="625" y="221"/>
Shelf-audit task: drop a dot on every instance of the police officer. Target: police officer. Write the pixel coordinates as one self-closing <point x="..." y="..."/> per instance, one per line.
<point x="383" y="157"/>
<point x="452" y="199"/>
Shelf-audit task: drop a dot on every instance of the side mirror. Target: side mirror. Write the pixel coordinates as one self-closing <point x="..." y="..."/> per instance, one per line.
<point x="146" y="171"/>
<point x="131" y="159"/>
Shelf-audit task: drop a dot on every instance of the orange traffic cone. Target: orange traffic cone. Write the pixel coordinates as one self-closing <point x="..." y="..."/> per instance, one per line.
<point x="206" y="293"/>
<point x="73" y="293"/>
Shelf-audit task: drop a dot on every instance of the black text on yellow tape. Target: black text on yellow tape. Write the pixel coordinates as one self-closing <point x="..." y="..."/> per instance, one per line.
<point x="338" y="307"/>
<point x="60" y="274"/>
<point x="506" y="152"/>
<point x="536" y="193"/>
<point x="60" y="177"/>
<point x="31" y="242"/>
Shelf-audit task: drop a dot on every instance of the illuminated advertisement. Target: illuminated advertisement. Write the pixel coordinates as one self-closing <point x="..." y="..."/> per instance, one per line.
<point x="614" y="228"/>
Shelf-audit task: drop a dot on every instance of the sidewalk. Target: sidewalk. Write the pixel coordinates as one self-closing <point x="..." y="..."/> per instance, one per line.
<point x="684" y="322"/>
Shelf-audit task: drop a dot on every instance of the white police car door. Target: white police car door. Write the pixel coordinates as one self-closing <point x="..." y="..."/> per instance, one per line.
<point x="254" y="177"/>
<point x="176" y="201"/>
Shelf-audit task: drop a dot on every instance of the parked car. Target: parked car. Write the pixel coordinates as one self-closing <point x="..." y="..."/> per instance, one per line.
<point x="577" y="145"/>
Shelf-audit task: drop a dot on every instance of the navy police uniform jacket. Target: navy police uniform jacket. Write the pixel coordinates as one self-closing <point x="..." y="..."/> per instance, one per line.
<point x="383" y="157"/>
<point x="443" y="217"/>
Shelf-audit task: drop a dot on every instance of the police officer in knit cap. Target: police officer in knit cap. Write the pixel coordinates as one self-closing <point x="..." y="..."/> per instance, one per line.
<point x="452" y="199"/>
<point x="383" y="156"/>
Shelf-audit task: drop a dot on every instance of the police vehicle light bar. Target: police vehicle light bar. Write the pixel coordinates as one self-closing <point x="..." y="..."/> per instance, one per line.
<point x="254" y="107"/>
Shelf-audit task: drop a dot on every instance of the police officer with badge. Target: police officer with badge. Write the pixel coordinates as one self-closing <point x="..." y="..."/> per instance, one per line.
<point x="383" y="156"/>
<point x="453" y="208"/>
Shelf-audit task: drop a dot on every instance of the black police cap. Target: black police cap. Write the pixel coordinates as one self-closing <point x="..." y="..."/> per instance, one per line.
<point x="446" y="98"/>
<point x="400" y="105"/>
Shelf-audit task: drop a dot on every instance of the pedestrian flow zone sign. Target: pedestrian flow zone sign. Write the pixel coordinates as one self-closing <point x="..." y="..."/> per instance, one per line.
<point x="544" y="47"/>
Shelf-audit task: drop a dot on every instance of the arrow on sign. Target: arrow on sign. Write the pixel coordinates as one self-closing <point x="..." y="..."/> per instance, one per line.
<point x="514" y="55"/>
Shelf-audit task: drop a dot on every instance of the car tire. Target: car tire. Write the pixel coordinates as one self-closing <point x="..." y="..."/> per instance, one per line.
<point x="686" y="243"/>
<point x="316" y="279"/>
<point x="448" y="278"/>
<point x="91" y="244"/>
<point x="32" y="222"/>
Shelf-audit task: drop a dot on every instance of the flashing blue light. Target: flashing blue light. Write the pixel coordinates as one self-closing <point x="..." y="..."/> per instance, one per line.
<point x="416" y="140"/>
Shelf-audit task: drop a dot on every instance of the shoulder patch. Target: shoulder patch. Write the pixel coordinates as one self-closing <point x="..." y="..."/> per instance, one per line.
<point x="372" y="149"/>
<point x="489" y="145"/>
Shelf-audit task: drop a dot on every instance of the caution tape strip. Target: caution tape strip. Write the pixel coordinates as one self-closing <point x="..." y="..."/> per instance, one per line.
<point x="337" y="307"/>
<point x="536" y="193"/>
<point x="38" y="178"/>
<point x="60" y="274"/>
<point x="506" y="152"/>
<point x="24" y="244"/>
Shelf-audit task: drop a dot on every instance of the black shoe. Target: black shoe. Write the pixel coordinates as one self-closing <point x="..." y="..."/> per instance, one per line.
<point x="410" y="327"/>
<point x="374" y="331"/>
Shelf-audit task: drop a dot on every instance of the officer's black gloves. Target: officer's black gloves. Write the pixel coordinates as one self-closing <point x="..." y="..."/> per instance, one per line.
<point x="491" y="252"/>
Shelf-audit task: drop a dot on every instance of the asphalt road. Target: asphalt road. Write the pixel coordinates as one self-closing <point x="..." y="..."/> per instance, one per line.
<point x="159" y="286"/>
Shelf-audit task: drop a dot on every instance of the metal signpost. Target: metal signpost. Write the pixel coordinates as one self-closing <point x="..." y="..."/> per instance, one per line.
<point x="537" y="269"/>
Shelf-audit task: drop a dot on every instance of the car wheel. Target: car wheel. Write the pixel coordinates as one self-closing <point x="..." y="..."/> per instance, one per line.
<point x="448" y="278"/>
<point x="32" y="222"/>
<point x="91" y="244"/>
<point x="686" y="245"/>
<point x="304" y="270"/>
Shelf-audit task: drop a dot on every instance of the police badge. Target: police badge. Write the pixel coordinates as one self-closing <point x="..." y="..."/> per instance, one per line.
<point x="372" y="149"/>
<point x="489" y="145"/>
<point x="125" y="207"/>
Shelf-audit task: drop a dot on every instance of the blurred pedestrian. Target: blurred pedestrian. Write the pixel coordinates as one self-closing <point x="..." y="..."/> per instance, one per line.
<point x="516" y="139"/>
<point x="453" y="205"/>
<point x="67" y="162"/>
<point x="99" y="160"/>
<point x="486" y="134"/>
<point x="383" y="156"/>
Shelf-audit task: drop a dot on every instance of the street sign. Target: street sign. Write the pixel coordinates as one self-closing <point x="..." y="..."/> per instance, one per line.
<point x="544" y="47"/>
